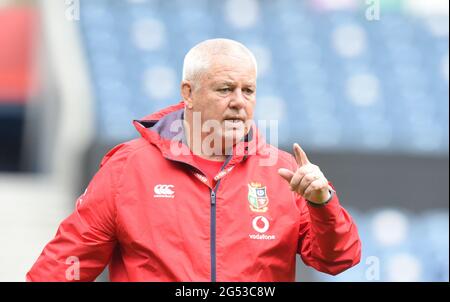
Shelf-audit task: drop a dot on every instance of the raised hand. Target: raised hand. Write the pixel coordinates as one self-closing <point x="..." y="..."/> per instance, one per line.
<point x="307" y="180"/>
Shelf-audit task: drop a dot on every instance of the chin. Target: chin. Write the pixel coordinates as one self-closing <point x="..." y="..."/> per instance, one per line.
<point x="233" y="137"/>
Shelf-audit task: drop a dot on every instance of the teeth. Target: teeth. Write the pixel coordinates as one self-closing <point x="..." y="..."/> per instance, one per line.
<point x="234" y="121"/>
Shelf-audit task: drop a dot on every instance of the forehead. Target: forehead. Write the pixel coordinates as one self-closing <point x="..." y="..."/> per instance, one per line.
<point x="227" y="68"/>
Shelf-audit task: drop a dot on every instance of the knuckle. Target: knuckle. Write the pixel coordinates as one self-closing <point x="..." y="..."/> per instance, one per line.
<point x="306" y="167"/>
<point x="310" y="177"/>
<point x="302" y="170"/>
<point x="322" y="185"/>
<point x="295" y="179"/>
<point x="315" y="187"/>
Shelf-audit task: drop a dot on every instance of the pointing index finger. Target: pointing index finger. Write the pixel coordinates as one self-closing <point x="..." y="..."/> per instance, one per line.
<point x="300" y="155"/>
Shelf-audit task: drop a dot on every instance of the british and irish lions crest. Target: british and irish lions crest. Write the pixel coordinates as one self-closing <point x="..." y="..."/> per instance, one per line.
<point x="257" y="197"/>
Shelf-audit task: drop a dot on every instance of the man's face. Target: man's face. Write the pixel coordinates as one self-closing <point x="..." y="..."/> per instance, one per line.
<point x="226" y="93"/>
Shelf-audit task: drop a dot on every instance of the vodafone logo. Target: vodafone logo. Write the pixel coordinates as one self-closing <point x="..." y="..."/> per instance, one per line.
<point x="164" y="191"/>
<point x="260" y="224"/>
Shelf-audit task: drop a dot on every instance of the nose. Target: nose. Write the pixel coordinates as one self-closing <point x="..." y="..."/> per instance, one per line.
<point x="237" y="99"/>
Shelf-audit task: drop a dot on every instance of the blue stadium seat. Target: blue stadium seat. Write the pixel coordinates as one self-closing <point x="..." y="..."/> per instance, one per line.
<point x="306" y="71"/>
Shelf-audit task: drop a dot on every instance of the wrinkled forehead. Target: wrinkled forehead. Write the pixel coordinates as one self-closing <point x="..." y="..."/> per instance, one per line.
<point x="232" y="68"/>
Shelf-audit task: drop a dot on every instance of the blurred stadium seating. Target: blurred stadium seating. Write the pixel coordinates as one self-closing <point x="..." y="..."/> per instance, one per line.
<point x="400" y="246"/>
<point x="387" y="77"/>
<point x="369" y="99"/>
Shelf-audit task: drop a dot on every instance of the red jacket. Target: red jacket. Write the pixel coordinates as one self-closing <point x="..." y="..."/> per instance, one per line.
<point x="152" y="216"/>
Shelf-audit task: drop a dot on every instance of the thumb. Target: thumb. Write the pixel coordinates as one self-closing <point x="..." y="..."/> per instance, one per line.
<point x="286" y="174"/>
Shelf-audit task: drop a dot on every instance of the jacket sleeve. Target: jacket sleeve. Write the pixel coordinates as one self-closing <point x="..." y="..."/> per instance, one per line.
<point x="84" y="242"/>
<point x="328" y="238"/>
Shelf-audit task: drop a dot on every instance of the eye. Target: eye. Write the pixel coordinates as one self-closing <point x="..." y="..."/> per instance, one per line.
<point x="249" y="91"/>
<point x="225" y="89"/>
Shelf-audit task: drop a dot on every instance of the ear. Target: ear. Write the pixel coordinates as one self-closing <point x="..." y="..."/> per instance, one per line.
<point x="186" y="93"/>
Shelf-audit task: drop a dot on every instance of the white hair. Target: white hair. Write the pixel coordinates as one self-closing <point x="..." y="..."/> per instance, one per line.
<point x="198" y="58"/>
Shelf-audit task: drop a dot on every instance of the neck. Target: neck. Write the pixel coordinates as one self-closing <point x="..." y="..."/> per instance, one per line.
<point x="195" y="142"/>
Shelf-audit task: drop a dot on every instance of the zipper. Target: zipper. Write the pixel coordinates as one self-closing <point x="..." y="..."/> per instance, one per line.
<point x="213" y="199"/>
<point x="213" y="234"/>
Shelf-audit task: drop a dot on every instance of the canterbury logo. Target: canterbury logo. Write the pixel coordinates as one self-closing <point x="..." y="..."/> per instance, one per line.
<point x="164" y="191"/>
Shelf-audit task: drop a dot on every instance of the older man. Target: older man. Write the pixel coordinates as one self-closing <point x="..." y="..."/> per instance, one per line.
<point x="201" y="197"/>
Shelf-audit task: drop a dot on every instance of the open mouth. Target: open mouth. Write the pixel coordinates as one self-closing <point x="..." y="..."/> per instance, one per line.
<point x="234" y="120"/>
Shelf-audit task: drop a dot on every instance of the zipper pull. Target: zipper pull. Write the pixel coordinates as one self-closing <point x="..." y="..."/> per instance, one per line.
<point x="213" y="197"/>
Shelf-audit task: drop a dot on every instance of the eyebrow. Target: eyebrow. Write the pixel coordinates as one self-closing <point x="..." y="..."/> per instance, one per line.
<point x="225" y="83"/>
<point x="230" y="83"/>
